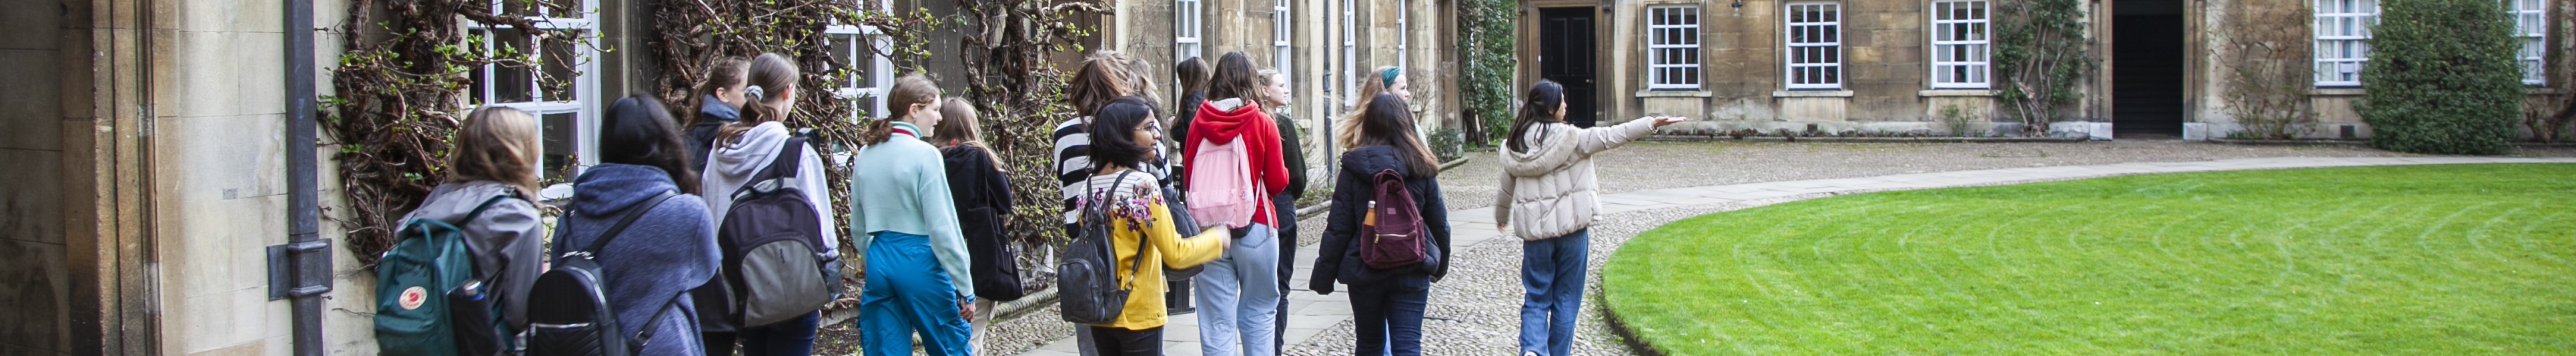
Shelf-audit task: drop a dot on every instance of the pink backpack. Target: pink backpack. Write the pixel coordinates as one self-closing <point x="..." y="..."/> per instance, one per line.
<point x="1221" y="187"/>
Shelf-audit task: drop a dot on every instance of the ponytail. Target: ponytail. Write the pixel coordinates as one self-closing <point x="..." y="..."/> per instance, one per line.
<point x="773" y="80"/>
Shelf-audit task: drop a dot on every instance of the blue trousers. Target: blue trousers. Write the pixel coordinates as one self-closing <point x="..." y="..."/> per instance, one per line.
<point x="1552" y="287"/>
<point x="908" y="293"/>
<point x="1239" y="296"/>
<point x="794" y="336"/>
<point x="1388" y="319"/>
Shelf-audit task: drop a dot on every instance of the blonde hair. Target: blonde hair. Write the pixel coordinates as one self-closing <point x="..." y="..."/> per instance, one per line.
<point x="1269" y="77"/>
<point x="496" y="144"/>
<point x="1347" y="131"/>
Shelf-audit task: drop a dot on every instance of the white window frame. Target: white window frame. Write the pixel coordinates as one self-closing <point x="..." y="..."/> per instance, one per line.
<point x="1962" y="44"/>
<point x="1188" y="24"/>
<point x="2342" y="32"/>
<point x="584" y="105"/>
<point x="1825" y="42"/>
<point x="876" y="71"/>
<point x="1673" y="47"/>
<point x="1282" y="34"/>
<point x="2531" y="26"/>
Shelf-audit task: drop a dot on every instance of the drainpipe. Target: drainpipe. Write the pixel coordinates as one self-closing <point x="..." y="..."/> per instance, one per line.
<point x="301" y="268"/>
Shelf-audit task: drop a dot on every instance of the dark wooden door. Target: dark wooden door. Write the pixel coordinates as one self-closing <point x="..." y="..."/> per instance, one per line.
<point x="2147" y="70"/>
<point x="1565" y="54"/>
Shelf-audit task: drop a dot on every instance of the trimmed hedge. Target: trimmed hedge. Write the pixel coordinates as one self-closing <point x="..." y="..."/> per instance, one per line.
<point x="2442" y="78"/>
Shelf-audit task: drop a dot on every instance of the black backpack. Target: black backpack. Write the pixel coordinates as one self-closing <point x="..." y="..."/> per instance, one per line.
<point x="1087" y="278"/>
<point x="568" y="307"/>
<point x="774" y="267"/>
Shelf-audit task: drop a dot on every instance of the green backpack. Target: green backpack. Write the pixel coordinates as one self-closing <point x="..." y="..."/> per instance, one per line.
<point x="427" y="300"/>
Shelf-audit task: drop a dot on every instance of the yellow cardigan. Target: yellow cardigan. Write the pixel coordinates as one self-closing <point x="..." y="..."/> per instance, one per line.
<point x="1145" y="309"/>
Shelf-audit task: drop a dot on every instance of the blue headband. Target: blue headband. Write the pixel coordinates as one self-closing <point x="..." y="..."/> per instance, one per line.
<point x="1389" y="76"/>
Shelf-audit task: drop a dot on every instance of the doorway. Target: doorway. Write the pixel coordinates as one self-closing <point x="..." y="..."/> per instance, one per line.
<point x="2147" y="69"/>
<point x="1565" y="50"/>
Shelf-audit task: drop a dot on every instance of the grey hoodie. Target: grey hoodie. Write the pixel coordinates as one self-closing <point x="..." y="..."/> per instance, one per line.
<point x="730" y="165"/>
<point x="506" y="239"/>
<point x="1552" y="184"/>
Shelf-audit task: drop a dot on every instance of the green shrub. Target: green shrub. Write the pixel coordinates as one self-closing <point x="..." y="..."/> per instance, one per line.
<point x="1448" y="144"/>
<point x="2442" y="78"/>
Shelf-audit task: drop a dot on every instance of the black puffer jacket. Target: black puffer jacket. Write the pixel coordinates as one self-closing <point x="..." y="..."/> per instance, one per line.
<point x="1337" y="259"/>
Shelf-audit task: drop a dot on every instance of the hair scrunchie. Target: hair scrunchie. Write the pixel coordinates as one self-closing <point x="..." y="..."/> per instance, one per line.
<point x="1387" y="78"/>
<point x="753" y="92"/>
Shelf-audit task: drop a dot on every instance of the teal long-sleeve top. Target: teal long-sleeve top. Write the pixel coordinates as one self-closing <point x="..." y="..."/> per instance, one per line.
<point x="901" y="186"/>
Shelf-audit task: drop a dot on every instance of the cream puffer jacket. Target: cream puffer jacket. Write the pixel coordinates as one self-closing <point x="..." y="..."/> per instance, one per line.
<point x="1552" y="184"/>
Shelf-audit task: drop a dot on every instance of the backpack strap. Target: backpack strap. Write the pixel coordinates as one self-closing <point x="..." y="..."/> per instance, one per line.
<point x="1140" y="237"/>
<point x="487" y="205"/>
<point x="645" y="338"/>
<point x="613" y="230"/>
<point x="781" y="172"/>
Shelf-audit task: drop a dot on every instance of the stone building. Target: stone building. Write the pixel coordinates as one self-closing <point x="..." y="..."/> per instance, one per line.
<point x="1894" y="65"/>
<point x="163" y="180"/>
<point x="1322" y="45"/>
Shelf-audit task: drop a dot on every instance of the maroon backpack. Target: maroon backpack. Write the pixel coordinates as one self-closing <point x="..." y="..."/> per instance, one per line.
<point x="1393" y="225"/>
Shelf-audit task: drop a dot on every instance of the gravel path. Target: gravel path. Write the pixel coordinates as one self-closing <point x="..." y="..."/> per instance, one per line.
<point x="1658" y="165"/>
<point x="1475" y="311"/>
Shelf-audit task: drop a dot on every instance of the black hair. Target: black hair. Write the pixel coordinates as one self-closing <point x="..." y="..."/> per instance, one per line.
<point x="1539" y="107"/>
<point x="1112" y="141"/>
<point x="638" y="130"/>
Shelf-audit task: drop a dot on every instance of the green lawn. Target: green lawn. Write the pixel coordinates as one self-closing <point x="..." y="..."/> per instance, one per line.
<point x="2418" y="260"/>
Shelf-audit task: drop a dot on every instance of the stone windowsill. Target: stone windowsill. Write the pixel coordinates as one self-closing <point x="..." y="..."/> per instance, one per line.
<point x="1674" y="93"/>
<point x="1811" y="93"/>
<point x="1954" y="92"/>
<point x="2337" y="91"/>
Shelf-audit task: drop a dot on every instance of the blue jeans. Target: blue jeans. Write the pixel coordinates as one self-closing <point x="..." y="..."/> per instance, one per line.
<point x="1238" y="296"/>
<point x="1552" y="289"/>
<point x="793" y="336"/>
<point x="906" y="293"/>
<point x="1389" y="318"/>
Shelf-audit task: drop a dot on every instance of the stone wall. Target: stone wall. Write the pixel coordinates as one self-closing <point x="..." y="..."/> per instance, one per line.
<point x="1885" y="68"/>
<point x="36" y="278"/>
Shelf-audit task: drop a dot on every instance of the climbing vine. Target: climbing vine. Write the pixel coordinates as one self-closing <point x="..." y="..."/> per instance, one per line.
<point x="2041" y="56"/>
<point x="1008" y="47"/>
<point x="410" y="69"/>
<point x="692" y="34"/>
<point x="1490" y="28"/>
<point x="2268" y="72"/>
<point x="400" y="89"/>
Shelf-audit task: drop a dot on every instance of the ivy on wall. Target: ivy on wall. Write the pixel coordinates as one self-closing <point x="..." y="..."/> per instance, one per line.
<point x="2041" y="56"/>
<point x="2268" y="70"/>
<point x="399" y="92"/>
<point x="408" y="76"/>
<point x="1491" y="33"/>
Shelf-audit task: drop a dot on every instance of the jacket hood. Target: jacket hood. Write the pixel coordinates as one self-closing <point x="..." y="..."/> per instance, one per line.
<point x="709" y="107"/>
<point x="608" y="189"/>
<point x="1551" y="148"/>
<point x="1223" y="120"/>
<point x="745" y="156"/>
<point x="1366" y="161"/>
<point x="450" y="202"/>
